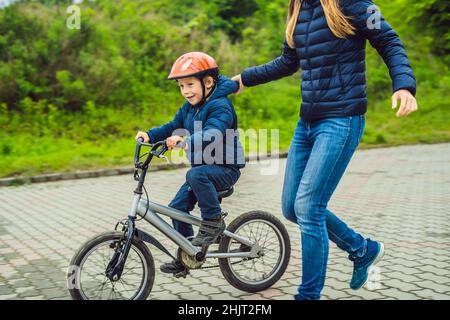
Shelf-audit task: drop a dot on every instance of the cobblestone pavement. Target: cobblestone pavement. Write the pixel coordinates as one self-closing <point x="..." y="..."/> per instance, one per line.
<point x="399" y="195"/>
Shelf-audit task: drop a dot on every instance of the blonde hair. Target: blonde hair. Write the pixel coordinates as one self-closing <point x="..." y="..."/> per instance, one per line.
<point x="337" y="22"/>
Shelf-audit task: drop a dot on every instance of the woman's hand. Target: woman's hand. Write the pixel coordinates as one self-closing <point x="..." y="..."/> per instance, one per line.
<point x="144" y="135"/>
<point x="408" y="103"/>
<point x="172" y="141"/>
<point x="238" y="78"/>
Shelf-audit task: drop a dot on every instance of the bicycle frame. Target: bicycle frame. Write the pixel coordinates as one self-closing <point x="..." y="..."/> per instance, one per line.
<point x="154" y="219"/>
<point x="192" y="257"/>
<point x="150" y="214"/>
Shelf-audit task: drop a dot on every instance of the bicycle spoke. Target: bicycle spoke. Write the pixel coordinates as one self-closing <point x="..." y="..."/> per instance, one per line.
<point x="102" y="286"/>
<point x="95" y="284"/>
<point x="110" y="294"/>
<point x="258" y="269"/>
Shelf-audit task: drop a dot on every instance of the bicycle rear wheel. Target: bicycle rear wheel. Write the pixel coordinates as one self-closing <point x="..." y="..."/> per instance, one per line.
<point x="86" y="276"/>
<point x="256" y="274"/>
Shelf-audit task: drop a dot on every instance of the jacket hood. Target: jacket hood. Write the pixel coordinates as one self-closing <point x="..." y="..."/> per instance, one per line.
<point x="224" y="87"/>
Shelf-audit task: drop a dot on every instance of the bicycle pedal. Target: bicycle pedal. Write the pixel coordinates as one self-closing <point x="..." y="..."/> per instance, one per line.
<point x="181" y="274"/>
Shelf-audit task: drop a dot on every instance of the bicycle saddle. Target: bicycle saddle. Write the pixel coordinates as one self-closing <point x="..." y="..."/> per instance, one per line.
<point x="221" y="193"/>
<point x="225" y="193"/>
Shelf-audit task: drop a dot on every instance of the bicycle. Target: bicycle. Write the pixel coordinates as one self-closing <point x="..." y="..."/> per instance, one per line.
<point x="253" y="252"/>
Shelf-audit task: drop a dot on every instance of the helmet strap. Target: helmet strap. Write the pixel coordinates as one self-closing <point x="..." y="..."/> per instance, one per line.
<point x="204" y="96"/>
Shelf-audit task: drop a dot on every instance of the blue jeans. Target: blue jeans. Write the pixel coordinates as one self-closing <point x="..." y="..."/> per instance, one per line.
<point x="202" y="184"/>
<point x="319" y="154"/>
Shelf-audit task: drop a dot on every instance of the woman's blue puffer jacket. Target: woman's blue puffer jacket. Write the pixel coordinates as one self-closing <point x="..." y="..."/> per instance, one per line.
<point x="333" y="69"/>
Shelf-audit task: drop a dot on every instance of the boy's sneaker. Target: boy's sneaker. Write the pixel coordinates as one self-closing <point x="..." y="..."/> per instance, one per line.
<point x="209" y="231"/>
<point x="172" y="267"/>
<point x="361" y="266"/>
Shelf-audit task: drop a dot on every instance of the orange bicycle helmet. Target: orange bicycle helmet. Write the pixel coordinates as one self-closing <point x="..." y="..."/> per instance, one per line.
<point x="194" y="64"/>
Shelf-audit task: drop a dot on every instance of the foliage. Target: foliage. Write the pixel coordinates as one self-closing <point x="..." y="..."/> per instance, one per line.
<point x="75" y="98"/>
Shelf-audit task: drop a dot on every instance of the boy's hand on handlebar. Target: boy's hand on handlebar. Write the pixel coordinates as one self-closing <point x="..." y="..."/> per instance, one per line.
<point x="143" y="135"/>
<point x="172" y="141"/>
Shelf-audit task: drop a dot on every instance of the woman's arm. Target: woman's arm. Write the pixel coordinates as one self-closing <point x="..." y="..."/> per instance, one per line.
<point x="372" y="25"/>
<point x="283" y="66"/>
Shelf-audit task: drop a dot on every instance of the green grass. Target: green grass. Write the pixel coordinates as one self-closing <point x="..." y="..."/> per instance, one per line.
<point x="28" y="155"/>
<point x="74" y="100"/>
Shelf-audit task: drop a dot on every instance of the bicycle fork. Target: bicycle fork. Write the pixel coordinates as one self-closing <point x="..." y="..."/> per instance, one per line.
<point x="115" y="267"/>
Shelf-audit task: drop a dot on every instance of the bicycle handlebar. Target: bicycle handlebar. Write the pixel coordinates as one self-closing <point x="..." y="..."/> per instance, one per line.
<point x="156" y="150"/>
<point x="159" y="152"/>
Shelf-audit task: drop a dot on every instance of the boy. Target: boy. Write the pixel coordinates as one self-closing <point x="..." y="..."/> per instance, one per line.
<point x="208" y="120"/>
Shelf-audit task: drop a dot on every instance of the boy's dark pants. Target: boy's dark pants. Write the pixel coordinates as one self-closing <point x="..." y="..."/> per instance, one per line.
<point x="204" y="182"/>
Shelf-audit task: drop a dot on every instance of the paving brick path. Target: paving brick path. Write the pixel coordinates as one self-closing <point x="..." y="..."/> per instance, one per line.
<point x="398" y="195"/>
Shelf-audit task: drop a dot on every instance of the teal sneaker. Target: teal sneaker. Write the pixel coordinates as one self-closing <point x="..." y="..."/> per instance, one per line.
<point x="362" y="265"/>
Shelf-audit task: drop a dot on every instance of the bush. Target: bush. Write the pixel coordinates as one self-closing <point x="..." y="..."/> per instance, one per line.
<point x="82" y="94"/>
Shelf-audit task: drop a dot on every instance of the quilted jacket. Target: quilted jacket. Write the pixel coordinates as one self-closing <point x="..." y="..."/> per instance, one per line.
<point x="333" y="69"/>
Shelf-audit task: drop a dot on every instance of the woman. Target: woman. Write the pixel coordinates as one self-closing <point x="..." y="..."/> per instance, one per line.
<point x="327" y="38"/>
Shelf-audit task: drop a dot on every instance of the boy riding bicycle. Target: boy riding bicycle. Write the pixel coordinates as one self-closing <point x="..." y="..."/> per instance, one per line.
<point x="209" y="123"/>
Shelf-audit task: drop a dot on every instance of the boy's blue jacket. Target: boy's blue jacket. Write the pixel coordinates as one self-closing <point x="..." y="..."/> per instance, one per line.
<point x="333" y="69"/>
<point x="211" y="129"/>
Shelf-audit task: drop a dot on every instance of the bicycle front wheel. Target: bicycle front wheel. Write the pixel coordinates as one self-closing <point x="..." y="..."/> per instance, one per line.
<point x="86" y="278"/>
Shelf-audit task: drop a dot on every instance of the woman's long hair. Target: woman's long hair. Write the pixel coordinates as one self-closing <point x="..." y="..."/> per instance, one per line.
<point x="337" y="22"/>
